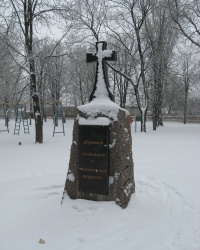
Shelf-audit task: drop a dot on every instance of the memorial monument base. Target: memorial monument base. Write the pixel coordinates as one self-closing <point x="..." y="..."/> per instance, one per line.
<point x="112" y="171"/>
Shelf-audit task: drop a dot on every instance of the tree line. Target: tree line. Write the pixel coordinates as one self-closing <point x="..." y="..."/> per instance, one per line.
<point x="43" y="46"/>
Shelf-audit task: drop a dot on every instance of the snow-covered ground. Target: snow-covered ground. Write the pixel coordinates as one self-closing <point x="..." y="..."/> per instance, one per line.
<point x="163" y="214"/>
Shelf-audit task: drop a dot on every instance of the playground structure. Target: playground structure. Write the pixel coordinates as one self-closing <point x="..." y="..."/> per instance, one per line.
<point x="58" y="114"/>
<point x="43" y="113"/>
<point x="4" y="115"/>
<point x="137" y="119"/>
<point x="21" y="115"/>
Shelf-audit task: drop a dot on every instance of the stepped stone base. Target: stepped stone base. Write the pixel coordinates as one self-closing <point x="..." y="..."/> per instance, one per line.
<point x="121" y="173"/>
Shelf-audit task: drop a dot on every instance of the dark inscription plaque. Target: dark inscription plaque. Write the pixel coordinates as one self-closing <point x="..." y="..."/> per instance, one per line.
<point x="93" y="159"/>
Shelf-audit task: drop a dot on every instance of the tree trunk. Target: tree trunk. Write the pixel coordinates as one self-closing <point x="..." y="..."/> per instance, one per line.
<point x="155" y="115"/>
<point x="143" y="109"/>
<point x="143" y="120"/>
<point x="28" y="23"/>
<point x="186" y="82"/>
<point x="36" y="106"/>
<point x="160" y="120"/>
<point x="185" y="104"/>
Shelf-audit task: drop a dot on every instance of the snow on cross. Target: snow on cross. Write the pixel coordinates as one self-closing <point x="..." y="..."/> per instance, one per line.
<point x="101" y="86"/>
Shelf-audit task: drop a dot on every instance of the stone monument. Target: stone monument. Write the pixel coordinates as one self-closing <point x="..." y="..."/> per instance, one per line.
<point x="101" y="164"/>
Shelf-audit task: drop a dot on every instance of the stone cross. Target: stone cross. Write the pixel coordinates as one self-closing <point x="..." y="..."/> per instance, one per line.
<point x="101" y="56"/>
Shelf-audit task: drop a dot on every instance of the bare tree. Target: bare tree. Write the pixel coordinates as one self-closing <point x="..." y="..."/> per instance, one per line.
<point x="188" y="71"/>
<point x="182" y="89"/>
<point x="124" y="63"/>
<point x="186" y="14"/>
<point x="26" y="14"/>
<point x="10" y="77"/>
<point x="162" y="37"/>
<point x="89" y="16"/>
<point x="129" y="21"/>
<point x="82" y="76"/>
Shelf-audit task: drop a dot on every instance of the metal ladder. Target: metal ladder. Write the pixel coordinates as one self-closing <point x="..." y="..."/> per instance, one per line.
<point x="58" y="113"/>
<point x="21" y="115"/>
<point x="6" y="118"/>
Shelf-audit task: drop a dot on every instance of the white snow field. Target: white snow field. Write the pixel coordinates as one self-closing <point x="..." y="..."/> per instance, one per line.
<point x="163" y="214"/>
